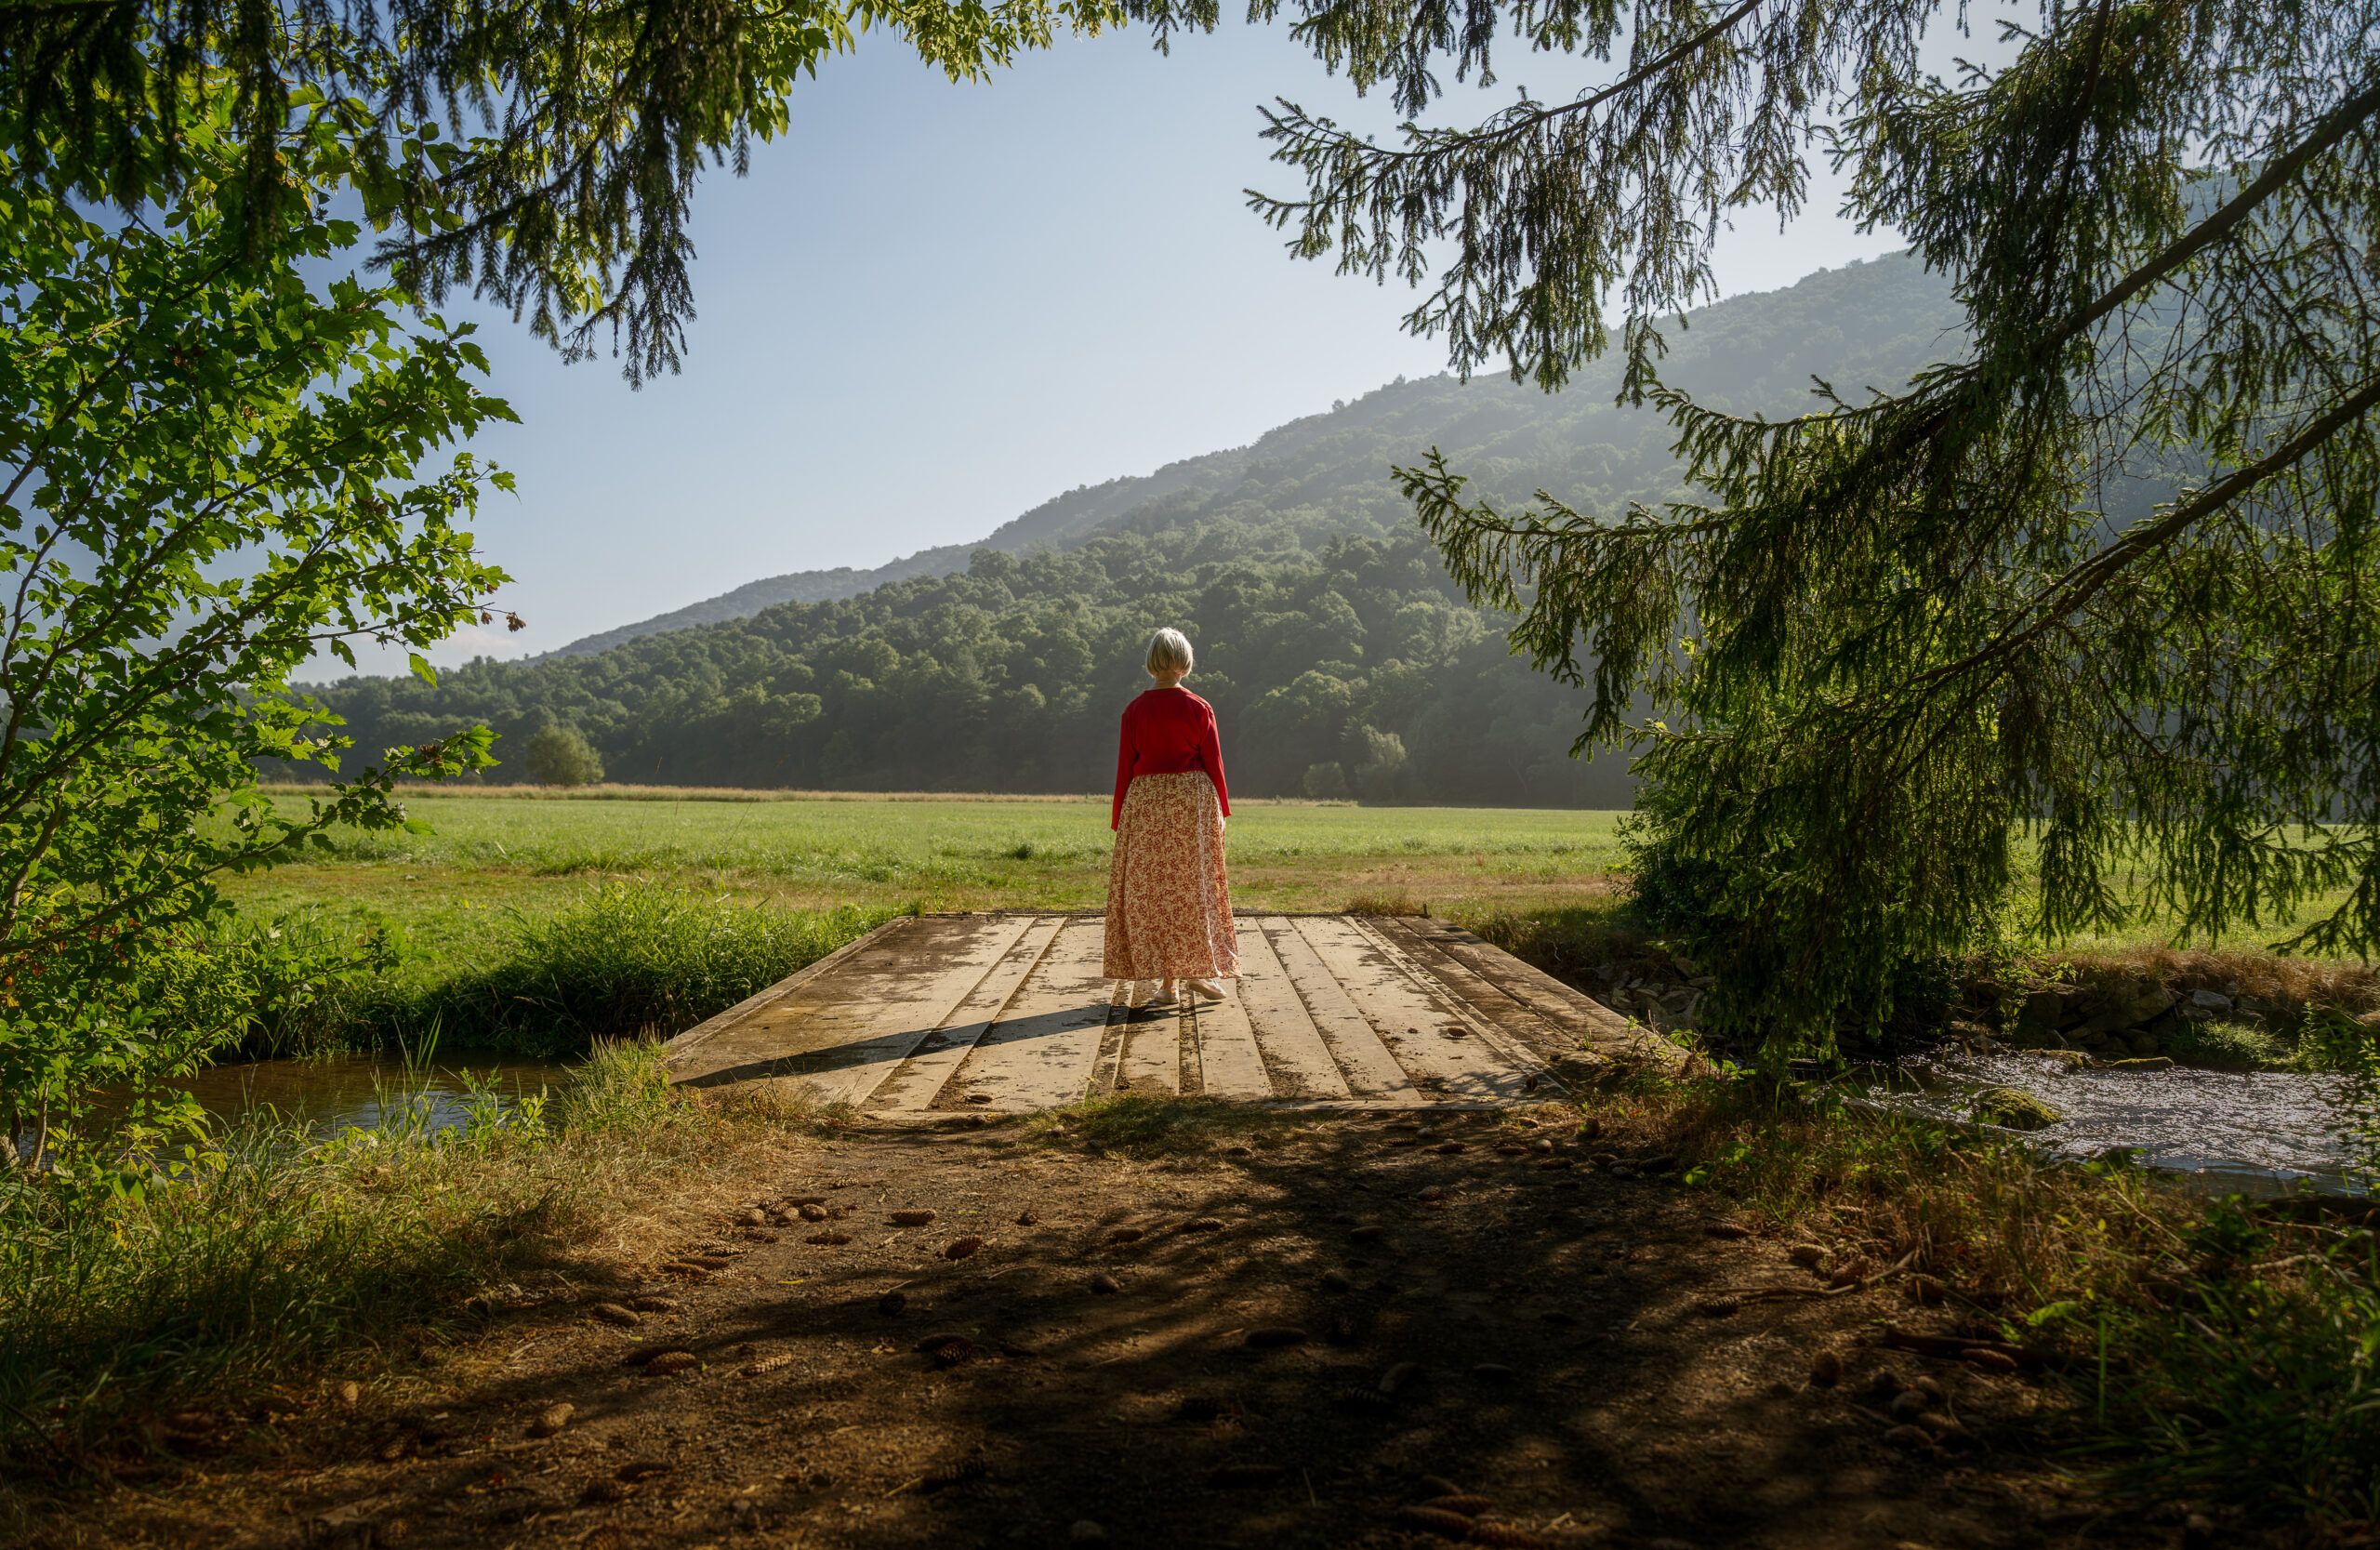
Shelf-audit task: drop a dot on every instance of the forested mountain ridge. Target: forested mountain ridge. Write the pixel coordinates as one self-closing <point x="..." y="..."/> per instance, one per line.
<point x="1338" y="654"/>
<point x="1073" y="516"/>
<point x="1865" y="323"/>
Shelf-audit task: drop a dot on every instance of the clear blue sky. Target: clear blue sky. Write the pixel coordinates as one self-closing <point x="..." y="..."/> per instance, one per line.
<point x="928" y="308"/>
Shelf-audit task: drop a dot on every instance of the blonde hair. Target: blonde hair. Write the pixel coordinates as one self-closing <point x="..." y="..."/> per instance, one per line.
<point x="1170" y="654"/>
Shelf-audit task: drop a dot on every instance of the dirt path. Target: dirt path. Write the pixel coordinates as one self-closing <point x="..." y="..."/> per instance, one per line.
<point x="1295" y="1345"/>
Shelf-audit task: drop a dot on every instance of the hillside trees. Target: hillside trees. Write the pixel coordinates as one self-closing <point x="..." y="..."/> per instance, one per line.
<point x="1009" y="678"/>
<point x="1245" y="558"/>
<point x="1895" y="637"/>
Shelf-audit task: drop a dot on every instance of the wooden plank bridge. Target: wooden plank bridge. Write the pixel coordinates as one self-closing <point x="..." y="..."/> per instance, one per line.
<point x="934" y="1014"/>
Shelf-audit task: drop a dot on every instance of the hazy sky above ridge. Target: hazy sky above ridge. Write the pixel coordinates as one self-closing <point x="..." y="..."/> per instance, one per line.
<point x="929" y="308"/>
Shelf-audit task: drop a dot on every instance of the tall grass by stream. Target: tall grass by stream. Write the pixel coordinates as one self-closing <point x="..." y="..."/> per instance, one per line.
<point x="251" y="1262"/>
<point x="619" y="961"/>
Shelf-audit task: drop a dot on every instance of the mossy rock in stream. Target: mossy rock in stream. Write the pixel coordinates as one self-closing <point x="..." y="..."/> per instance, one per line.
<point x="2014" y="1108"/>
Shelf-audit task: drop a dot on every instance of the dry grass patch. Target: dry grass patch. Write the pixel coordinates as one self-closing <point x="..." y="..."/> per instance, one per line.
<point x="2303" y="982"/>
<point x="1397" y="902"/>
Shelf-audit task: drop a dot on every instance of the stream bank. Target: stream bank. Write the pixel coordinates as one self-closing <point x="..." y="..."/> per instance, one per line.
<point x="1675" y="1314"/>
<point x="2235" y="1071"/>
<point x="1180" y="1324"/>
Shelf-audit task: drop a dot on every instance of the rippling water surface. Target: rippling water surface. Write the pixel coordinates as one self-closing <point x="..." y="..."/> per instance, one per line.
<point x="2259" y="1131"/>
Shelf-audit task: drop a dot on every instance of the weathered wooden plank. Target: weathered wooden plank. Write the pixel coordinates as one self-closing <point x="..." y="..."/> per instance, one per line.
<point x="920" y="1079"/>
<point x="1370" y="1069"/>
<point x="1223" y="1042"/>
<point x="1581" y="1016"/>
<point x="1411" y="1021"/>
<point x="1521" y="1027"/>
<point x="1041" y="1053"/>
<point x="847" y="1027"/>
<point x="1194" y="1069"/>
<point x="857" y="1069"/>
<point x="1108" y="1063"/>
<point x="681" y="1044"/>
<point x="1297" y="1062"/>
<point x="1152" y="1060"/>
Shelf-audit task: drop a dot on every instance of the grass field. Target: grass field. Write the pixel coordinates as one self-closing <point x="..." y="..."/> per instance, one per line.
<point x="491" y="853"/>
<point x="529" y="849"/>
<point x="537" y="922"/>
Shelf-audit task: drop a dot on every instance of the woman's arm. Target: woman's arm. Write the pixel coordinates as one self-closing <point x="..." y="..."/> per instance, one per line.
<point x="1210" y="757"/>
<point x="1123" y="770"/>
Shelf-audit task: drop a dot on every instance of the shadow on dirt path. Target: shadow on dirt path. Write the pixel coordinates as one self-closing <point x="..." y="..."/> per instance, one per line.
<point x="1316" y="1338"/>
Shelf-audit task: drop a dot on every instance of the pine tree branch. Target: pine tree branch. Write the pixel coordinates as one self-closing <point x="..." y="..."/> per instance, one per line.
<point x="2071" y="591"/>
<point x="2342" y="123"/>
<point x="2043" y="348"/>
<point x="1518" y="124"/>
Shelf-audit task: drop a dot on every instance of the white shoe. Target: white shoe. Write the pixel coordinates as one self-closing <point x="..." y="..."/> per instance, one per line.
<point x="1164" y="997"/>
<point x="1205" y="988"/>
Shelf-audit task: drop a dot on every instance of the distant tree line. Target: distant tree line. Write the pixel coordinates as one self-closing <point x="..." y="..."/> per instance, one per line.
<point x="1355" y="669"/>
<point x="1341" y="659"/>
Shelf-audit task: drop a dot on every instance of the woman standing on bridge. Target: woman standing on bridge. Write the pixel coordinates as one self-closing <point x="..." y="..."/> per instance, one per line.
<point x="1168" y="903"/>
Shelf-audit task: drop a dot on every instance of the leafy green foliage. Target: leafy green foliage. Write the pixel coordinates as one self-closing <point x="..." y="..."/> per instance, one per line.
<point x="2100" y="583"/>
<point x="209" y="475"/>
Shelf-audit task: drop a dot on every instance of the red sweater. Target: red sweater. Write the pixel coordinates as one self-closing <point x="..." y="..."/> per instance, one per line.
<point x="1168" y="732"/>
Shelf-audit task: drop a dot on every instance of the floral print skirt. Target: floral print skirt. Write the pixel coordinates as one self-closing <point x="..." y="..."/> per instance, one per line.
<point x="1168" y="903"/>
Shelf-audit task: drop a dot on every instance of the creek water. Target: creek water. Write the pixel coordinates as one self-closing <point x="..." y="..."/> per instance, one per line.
<point x="367" y="1091"/>
<point x="2254" y="1133"/>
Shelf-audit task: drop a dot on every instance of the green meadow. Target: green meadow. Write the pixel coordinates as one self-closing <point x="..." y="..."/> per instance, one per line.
<point x="495" y="852"/>
<point x="526" y="849"/>
<point x="537" y="921"/>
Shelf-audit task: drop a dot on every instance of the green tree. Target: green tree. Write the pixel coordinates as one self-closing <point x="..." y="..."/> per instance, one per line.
<point x="1907" y="635"/>
<point x="210" y="475"/>
<point x="208" y="460"/>
<point x="558" y="756"/>
<point x="1381" y="775"/>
